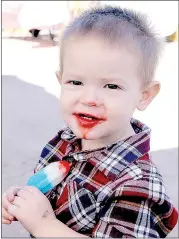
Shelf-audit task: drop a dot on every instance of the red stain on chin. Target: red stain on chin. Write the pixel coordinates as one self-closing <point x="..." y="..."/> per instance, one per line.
<point x="84" y="132"/>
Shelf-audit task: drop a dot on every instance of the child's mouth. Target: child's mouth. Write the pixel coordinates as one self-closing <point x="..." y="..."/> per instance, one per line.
<point x="87" y="120"/>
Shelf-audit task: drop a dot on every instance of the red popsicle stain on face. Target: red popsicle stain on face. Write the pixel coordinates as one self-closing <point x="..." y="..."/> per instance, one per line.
<point x="87" y="122"/>
<point x="84" y="132"/>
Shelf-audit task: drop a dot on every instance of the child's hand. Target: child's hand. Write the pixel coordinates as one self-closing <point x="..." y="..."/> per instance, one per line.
<point x="32" y="209"/>
<point x="7" y="199"/>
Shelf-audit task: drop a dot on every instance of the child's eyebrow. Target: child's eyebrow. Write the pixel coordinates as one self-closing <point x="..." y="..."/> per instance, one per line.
<point x="114" y="79"/>
<point x="70" y="75"/>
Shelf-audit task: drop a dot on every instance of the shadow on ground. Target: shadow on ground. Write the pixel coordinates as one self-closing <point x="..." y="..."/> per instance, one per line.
<point x="30" y="118"/>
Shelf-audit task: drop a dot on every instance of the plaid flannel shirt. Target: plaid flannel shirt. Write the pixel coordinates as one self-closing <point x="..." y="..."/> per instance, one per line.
<point x="114" y="192"/>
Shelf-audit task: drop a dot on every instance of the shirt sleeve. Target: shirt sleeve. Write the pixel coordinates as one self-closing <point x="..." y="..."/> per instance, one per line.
<point x="135" y="218"/>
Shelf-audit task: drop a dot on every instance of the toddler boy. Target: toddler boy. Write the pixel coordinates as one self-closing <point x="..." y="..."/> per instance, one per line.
<point x="108" y="58"/>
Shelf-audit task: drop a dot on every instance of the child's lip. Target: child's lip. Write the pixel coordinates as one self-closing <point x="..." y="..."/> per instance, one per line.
<point x="90" y="115"/>
<point x="88" y="120"/>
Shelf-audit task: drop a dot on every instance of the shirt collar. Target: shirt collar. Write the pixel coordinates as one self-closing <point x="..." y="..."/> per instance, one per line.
<point x="114" y="158"/>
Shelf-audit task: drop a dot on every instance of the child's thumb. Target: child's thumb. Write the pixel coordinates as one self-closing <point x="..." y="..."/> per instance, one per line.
<point x="11" y="193"/>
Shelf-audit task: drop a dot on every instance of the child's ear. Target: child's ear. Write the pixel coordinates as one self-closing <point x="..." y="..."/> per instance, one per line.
<point x="148" y="95"/>
<point x="59" y="75"/>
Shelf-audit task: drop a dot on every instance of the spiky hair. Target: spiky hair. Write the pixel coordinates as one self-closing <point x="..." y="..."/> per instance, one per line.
<point x="120" y="25"/>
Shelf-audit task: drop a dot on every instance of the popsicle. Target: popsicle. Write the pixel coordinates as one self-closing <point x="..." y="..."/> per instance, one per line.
<point x="50" y="176"/>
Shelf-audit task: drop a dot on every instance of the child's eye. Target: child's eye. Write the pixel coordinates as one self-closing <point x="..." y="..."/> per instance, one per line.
<point x="112" y="86"/>
<point x="74" y="82"/>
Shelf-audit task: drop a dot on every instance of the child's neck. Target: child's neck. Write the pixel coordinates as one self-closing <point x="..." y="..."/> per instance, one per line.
<point x="103" y="142"/>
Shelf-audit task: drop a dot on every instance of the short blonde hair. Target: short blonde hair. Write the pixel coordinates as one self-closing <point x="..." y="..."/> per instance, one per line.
<point x="116" y="24"/>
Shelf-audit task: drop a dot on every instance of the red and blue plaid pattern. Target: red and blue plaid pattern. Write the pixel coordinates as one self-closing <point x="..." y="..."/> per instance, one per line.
<point x="111" y="192"/>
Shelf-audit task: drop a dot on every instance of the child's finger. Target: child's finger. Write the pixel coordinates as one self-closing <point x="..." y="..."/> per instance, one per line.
<point x="6" y="215"/>
<point x="13" y="210"/>
<point x="5" y="202"/>
<point x="11" y="193"/>
<point x="24" y="193"/>
<point x="5" y="221"/>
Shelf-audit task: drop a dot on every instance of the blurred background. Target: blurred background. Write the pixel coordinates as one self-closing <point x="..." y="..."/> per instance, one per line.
<point x="30" y="91"/>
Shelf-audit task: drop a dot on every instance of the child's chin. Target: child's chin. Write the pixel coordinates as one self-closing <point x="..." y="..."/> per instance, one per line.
<point x="82" y="133"/>
<point x="85" y="134"/>
<point x="87" y="137"/>
<point x="90" y="136"/>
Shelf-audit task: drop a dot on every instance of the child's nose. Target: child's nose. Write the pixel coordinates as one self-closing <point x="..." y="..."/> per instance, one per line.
<point x="90" y="97"/>
<point x="92" y="104"/>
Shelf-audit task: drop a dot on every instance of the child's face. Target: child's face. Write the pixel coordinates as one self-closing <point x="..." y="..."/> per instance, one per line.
<point x="103" y="81"/>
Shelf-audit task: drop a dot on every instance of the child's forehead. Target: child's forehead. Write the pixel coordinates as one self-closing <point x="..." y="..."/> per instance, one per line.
<point x="100" y="69"/>
<point x="91" y="57"/>
<point x="95" y="46"/>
